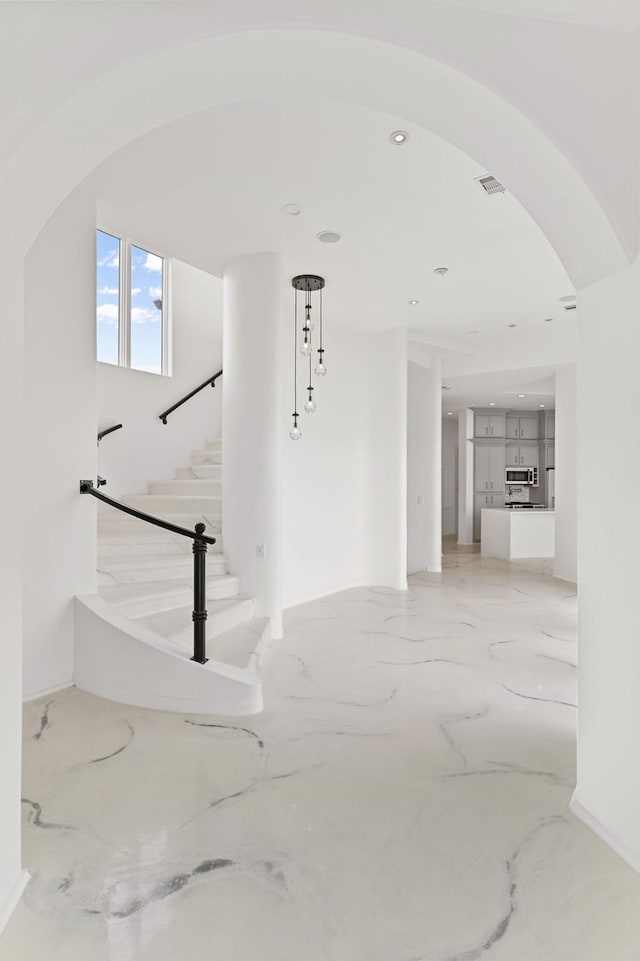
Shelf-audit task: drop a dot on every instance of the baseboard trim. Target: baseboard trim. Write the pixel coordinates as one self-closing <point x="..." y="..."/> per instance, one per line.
<point x="47" y="691"/>
<point x="567" y="580"/>
<point x="338" y="590"/>
<point x="11" y="902"/>
<point x="603" y="833"/>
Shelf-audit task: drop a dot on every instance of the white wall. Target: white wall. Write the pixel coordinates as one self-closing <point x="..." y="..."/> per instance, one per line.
<point x="449" y="475"/>
<point x="12" y="479"/>
<point x="253" y="318"/>
<point x="566" y="475"/>
<point x="345" y="480"/>
<point x="608" y="792"/>
<point x="59" y="445"/>
<point x="465" y="476"/>
<point x="145" y="449"/>
<point x="424" y="468"/>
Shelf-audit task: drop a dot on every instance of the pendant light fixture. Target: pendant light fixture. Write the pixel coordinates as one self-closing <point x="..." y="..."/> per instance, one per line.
<point x="307" y="284"/>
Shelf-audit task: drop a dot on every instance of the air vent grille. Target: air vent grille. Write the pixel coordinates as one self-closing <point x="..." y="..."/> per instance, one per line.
<point x="491" y="185"/>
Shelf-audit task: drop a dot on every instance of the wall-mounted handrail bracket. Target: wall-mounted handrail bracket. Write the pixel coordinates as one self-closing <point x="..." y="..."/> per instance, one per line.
<point x="109" y="430"/>
<point x="200" y="542"/>
<point x="210" y="381"/>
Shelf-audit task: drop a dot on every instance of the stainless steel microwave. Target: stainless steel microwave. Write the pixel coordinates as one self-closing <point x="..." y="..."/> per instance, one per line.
<point x="522" y="475"/>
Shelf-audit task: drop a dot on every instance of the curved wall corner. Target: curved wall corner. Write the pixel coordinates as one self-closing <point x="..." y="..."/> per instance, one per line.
<point x="125" y="662"/>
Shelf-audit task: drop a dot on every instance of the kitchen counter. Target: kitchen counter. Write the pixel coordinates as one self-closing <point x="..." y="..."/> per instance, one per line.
<point x="510" y="533"/>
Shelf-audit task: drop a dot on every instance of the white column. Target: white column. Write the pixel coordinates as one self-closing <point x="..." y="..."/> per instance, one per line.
<point x="608" y="792"/>
<point x="11" y="564"/>
<point x="566" y="479"/>
<point x="433" y="430"/>
<point x="253" y="318"/>
<point x="465" y="477"/>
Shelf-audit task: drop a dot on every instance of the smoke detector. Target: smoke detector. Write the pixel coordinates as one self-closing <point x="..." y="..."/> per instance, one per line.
<point x="491" y="185"/>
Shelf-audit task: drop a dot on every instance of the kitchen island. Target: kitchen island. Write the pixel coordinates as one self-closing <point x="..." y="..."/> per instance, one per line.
<point x="511" y="533"/>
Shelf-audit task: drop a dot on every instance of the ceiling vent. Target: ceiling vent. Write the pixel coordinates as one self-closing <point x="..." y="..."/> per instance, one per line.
<point x="491" y="185"/>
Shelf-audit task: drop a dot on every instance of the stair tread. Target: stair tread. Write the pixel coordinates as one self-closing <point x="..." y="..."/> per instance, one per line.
<point x="121" y="561"/>
<point x="237" y="645"/>
<point x="121" y="593"/>
<point x="178" y="620"/>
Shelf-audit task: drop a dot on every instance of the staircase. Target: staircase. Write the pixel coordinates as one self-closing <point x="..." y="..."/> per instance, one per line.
<point x="145" y="574"/>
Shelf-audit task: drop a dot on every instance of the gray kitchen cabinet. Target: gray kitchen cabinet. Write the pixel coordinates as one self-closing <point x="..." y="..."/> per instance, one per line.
<point x="481" y="501"/>
<point x="550" y="426"/>
<point x="522" y="455"/>
<point x="522" y="427"/>
<point x="488" y="425"/>
<point x="489" y="467"/>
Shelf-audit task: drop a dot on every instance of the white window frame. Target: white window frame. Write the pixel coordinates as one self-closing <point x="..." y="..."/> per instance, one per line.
<point x="124" y="303"/>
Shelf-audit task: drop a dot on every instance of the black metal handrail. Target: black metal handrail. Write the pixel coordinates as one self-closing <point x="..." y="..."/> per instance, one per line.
<point x="209" y="381"/>
<point x="109" y="430"/>
<point x="200" y="541"/>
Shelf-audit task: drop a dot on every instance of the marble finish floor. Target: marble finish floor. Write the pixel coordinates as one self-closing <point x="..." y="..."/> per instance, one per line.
<point x="403" y="797"/>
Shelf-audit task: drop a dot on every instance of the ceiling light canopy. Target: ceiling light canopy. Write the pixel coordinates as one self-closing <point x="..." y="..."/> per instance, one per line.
<point x="292" y="210"/>
<point x="398" y="137"/>
<point x="414" y="302"/>
<point x="329" y="236"/>
<point x="441" y="271"/>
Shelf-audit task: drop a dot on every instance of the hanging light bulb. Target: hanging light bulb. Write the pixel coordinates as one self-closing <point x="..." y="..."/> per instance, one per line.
<point x="296" y="433"/>
<point x="305" y="346"/>
<point x="307" y="320"/>
<point x="310" y="406"/>
<point x="320" y="370"/>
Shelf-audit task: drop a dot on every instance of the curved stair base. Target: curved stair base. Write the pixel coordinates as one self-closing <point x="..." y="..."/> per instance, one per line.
<point x="125" y="661"/>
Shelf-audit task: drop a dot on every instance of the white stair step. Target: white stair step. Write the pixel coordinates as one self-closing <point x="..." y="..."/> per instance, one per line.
<point x="140" y="600"/>
<point x="206" y="457"/>
<point x="128" y="569"/>
<point x="178" y="625"/>
<point x="117" y="522"/>
<point x="200" y="471"/>
<point x="162" y="504"/>
<point x="131" y="545"/>
<point x="237" y="646"/>
<point x="121" y="534"/>
<point x="191" y="487"/>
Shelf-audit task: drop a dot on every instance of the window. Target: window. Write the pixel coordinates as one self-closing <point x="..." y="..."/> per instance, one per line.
<point x="131" y="305"/>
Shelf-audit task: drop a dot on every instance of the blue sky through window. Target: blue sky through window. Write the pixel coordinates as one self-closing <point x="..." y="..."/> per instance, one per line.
<point x="146" y="270"/>
<point x="146" y="310"/>
<point x="108" y="287"/>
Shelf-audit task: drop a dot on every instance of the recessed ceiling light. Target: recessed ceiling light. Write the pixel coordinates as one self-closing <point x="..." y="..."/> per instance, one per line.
<point x="548" y="320"/>
<point x="521" y="396"/>
<point x="567" y="299"/>
<point x="329" y="236"/>
<point x="293" y="210"/>
<point x="542" y="405"/>
<point x="399" y="137"/>
<point x="512" y="325"/>
<point x="492" y="403"/>
<point x="441" y="271"/>
<point x="414" y="302"/>
<point x="474" y="405"/>
<point x="449" y="413"/>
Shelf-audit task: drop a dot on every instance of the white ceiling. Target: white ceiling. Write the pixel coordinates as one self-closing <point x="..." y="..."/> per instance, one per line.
<point x="501" y="388"/>
<point x="211" y="186"/>
<point x="622" y="15"/>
